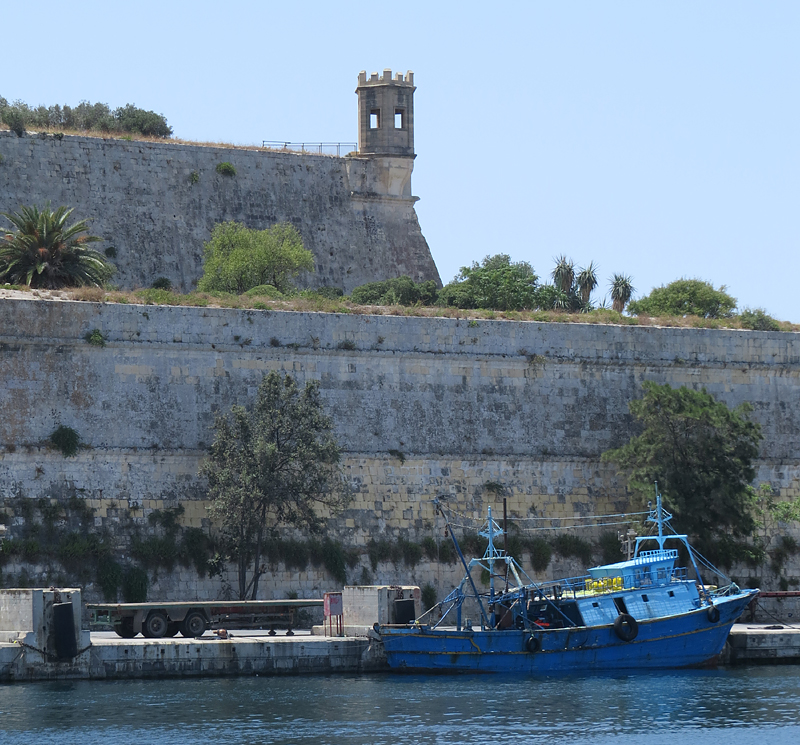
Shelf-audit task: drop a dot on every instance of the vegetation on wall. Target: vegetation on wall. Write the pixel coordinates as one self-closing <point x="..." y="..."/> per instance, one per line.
<point x="65" y="439"/>
<point x="237" y="258"/>
<point x="399" y="291"/>
<point x="61" y="535"/>
<point x="85" y="117"/>
<point x="226" y="169"/>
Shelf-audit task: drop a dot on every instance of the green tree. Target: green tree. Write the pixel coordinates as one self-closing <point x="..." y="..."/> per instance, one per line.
<point x="496" y="283"/>
<point x="238" y="258"/>
<point x="622" y="290"/>
<point x="43" y="252"/>
<point x="685" y="297"/>
<point x="700" y="452"/>
<point x="272" y="465"/>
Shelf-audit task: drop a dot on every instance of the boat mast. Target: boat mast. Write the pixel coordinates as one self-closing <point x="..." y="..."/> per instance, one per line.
<point x="490" y="553"/>
<point x="468" y="574"/>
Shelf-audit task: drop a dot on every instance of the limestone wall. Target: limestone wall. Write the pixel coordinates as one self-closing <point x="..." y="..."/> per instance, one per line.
<point x="156" y="204"/>
<point x="461" y="404"/>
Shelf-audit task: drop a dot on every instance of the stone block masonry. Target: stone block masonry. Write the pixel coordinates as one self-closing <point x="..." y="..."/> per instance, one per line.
<point x="156" y="204"/>
<point x="422" y="406"/>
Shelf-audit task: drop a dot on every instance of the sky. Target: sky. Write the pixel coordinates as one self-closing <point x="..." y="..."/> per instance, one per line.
<point x="657" y="139"/>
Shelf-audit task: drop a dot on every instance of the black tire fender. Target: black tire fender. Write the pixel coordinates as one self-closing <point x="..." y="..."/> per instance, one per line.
<point x="713" y="613"/>
<point x="626" y="627"/>
<point x="533" y="644"/>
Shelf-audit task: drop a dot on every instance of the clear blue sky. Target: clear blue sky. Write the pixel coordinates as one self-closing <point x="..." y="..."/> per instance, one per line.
<point x="659" y="139"/>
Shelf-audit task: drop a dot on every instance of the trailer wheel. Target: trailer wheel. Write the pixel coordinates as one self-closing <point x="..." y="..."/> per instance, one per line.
<point x="124" y="627"/>
<point x="155" y="625"/>
<point x="194" y="624"/>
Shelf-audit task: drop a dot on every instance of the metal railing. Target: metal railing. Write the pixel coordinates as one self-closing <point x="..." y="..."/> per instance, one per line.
<point x="317" y="148"/>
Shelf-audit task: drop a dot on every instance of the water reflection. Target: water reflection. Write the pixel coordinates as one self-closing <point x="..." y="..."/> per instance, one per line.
<point x="619" y="709"/>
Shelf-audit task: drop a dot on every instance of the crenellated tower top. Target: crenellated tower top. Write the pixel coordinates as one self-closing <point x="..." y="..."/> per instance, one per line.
<point x="386" y="114"/>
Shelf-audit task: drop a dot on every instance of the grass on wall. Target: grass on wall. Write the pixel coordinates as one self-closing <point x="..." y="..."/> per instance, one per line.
<point x="326" y="302"/>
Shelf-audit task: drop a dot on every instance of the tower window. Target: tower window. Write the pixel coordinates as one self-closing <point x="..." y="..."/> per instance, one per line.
<point x="399" y="119"/>
<point x="375" y="119"/>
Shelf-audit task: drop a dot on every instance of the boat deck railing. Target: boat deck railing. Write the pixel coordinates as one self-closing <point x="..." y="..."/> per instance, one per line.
<point x="585" y="586"/>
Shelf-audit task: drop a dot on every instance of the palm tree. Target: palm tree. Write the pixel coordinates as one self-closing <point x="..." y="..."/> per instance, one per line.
<point x="587" y="281"/>
<point x="564" y="274"/>
<point x="44" y="253"/>
<point x="621" y="291"/>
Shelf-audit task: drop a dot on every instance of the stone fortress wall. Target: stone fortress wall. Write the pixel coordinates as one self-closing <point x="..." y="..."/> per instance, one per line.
<point x="156" y="203"/>
<point x="422" y="406"/>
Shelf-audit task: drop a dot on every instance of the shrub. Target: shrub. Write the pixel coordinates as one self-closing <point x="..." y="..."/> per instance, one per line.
<point x="473" y="544"/>
<point x="428" y="597"/>
<point x="348" y="344"/>
<point x="382" y="550"/>
<point x="333" y="557"/>
<point x="194" y="177"/>
<point x="95" y="337"/>
<point x="16" y="118"/>
<point x="129" y="118"/>
<point x="571" y="545"/>
<point x="109" y="577"/>
<point x="134" y="585"/>
<point x="226" y="169"/>
<point x="65" y="439"/>
<point x="541" y="551"/>
<point x="758" y="320"/>
<point x="685" y="297"/>
<point x="197" y="548"/>
<point x="398" y="291"/>
<point x="162" y="283"/>
<point x="238" y="259"/>
<point x="264" y="291"/>
<point x="329" y="293"/>
<point x="610" y="547"/>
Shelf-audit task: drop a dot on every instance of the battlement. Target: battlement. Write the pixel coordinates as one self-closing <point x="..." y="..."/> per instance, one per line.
<point x="386" y="114"/>
<point x="386" y="78"/>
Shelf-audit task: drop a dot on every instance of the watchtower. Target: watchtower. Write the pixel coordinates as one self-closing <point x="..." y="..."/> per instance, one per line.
<point x="386" y="114"/>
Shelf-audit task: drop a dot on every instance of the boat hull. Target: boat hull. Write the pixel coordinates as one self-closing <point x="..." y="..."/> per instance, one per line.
<point x="684" y="640"/>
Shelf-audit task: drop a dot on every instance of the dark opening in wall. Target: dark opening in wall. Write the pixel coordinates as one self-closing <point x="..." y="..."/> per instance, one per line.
<point x="375" y="119"/>
<point x="399" y="119"/>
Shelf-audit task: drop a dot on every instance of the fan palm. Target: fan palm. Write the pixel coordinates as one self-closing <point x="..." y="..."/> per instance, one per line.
<point x="43" y="252"/>
<point x="587" y="281"/>
<point x="621" y="291"/>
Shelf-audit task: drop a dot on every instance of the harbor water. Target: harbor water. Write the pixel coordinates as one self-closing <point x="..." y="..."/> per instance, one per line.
<point x="741" y="704"/>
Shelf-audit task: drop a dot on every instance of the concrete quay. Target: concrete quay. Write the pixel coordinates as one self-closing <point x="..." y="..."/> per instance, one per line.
<point x="208" y="656"/>
<point x="770" y="644"/>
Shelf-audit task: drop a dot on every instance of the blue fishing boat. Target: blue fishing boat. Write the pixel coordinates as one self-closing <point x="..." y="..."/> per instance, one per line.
<point x="641" y="613"/>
